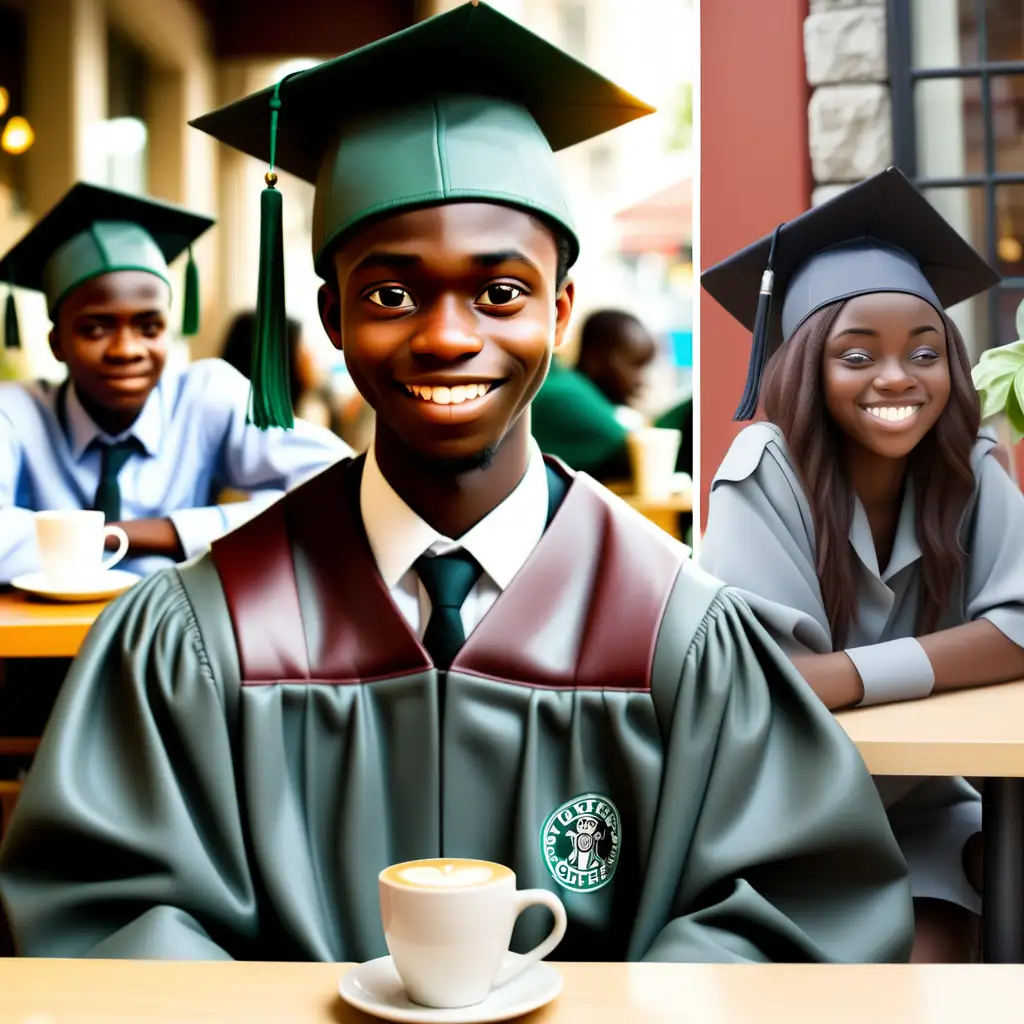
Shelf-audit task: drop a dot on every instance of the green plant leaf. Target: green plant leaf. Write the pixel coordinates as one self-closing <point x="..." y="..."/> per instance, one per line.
<point x="994" y="374"/>
<point x="1015" y="406"/>
<point x="1020" y="320"/>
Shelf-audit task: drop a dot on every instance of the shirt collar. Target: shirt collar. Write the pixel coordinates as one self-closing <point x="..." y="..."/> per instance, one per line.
<point x="501" y="542"/>
<point x="905" y="548"/>
<point x="82" y="430"/>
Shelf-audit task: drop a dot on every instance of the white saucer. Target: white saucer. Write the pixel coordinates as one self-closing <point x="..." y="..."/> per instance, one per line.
<point x="99" y="588"/>
<point x="376" y="989"/>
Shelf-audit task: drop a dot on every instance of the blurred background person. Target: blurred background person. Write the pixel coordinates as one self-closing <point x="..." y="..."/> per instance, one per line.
<point x="313" y="398"/>
<point x="616" y="353"/>
<point x="584" y="415"/>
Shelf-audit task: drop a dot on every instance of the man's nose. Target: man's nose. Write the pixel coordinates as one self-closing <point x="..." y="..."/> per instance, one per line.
<point x="448" y="332"/>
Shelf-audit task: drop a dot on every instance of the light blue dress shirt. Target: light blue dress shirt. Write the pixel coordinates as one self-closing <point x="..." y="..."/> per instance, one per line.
<point x="195" y="442"/>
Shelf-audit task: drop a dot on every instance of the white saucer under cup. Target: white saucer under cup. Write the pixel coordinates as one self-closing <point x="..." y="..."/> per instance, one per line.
<point x="376" y="989"/>
<point x="105" y="586"/>
<point x="71" y="546"/>
<point x="448" y="923"/>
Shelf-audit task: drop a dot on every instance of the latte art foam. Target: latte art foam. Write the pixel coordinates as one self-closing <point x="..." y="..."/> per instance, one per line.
<point x="445" y="873"/>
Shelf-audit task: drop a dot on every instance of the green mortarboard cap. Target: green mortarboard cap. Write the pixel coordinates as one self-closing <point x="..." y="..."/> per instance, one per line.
<point x="881" y="235"/>
<point x="467" y="105"/>
<point x="94" y="231"/>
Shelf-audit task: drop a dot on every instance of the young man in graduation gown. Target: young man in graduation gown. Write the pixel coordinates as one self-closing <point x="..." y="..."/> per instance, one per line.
<point x="452" y="646"/>
<point x="151" y="447"/>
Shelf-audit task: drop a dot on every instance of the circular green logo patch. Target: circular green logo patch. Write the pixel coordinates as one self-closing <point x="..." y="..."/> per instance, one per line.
<point x="580" y="842"/>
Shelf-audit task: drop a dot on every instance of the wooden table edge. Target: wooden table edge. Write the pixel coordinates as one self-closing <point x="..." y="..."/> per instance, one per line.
<point x="915" y="758"/>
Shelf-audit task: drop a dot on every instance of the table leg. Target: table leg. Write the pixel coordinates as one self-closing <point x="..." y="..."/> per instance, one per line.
<point x="1002" y="916"/>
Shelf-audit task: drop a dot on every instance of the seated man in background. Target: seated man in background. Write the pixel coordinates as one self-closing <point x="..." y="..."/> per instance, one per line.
<point x="150" y="449"/>
<point x="582" y="415"/>
<point x="616" y="353"/>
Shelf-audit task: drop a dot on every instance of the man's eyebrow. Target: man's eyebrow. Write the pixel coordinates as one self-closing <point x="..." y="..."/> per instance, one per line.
<point x="493" y="259"/>
<point x="381" y="260"/>
<point x="104" y="314"/>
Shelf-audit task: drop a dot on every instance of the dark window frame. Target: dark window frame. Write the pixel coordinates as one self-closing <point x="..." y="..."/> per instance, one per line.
<point x="903" y="77"/>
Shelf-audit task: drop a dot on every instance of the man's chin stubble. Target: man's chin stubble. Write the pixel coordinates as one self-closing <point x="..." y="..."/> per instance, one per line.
<point x="455" y="467"/>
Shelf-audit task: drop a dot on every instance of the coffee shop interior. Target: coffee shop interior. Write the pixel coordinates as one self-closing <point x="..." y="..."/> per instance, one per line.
<point x="137" y="434"/>
<point x="100" y="92"/>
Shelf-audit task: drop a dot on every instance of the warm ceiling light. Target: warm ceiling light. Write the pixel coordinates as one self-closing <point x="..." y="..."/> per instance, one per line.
<point x="17" y="136"/>
<point x="1009" y="249"/>
<point x="4" y="100"/>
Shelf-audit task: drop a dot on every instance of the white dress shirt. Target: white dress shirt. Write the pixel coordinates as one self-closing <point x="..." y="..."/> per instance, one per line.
<point x="501" y="542"/>
<point x="194" y="442"/>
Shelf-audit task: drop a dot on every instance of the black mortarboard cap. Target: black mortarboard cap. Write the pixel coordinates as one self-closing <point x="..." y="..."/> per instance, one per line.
<point x="877" y="236"/>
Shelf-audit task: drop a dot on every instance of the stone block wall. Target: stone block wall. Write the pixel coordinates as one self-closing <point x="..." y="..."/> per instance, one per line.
<point x="849" y="115"/>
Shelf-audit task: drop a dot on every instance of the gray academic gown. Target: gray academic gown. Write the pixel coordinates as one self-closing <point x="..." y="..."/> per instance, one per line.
<point x="757" y="496"/>
<point x="246" y="741"/>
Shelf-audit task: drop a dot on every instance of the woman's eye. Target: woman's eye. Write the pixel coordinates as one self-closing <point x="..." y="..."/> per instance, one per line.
<point x="926" y="355"/>
<point x="499" y="295"/>
<point x="391" y="298"/>
<point x="856" y="359"/>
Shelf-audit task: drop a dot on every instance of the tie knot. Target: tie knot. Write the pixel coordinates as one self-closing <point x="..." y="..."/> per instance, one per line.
<point x="116" y="453"/>
<point x="448" y="579"/>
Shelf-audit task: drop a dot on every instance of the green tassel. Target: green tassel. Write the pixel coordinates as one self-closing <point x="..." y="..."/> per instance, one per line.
<point x="271" y="372"/>
<point x="271" y="363"/>
<point x="12" y="335"/>
<point x="190" y="312"/>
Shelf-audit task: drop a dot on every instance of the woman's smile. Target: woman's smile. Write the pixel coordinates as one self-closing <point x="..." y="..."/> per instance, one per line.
<point x="893" y="417"/>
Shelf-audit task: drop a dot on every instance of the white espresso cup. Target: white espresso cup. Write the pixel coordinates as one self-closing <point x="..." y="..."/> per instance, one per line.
<point x="71" y="546"/>
<point x="448" y="924"/>
<point x="653" y="452"/>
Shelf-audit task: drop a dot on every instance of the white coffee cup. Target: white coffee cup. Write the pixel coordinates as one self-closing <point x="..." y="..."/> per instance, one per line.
<point x="448" y="924"/>
<point x="71" y="545"/>
<point x="653" y="452"/>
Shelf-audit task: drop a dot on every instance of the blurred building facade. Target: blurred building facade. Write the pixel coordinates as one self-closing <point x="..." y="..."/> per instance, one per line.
<point x="109" y="85"/>
<point x="833" y="92"/>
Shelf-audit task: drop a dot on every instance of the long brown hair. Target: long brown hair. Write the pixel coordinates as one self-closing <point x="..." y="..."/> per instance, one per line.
<point x="939" y="469"/>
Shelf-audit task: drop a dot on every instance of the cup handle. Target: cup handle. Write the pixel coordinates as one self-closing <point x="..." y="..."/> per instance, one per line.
<point x="122" y="546"/>
<point x="530" y="898"/>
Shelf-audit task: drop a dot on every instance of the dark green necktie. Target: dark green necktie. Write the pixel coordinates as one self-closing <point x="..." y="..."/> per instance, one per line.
<point x="112" y="460"/>
<point x="448" y="579"/>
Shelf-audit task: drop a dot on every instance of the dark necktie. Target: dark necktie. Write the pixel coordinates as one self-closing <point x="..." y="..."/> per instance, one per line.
<point x="448" y="579"/>
<point x="112" y="460"/>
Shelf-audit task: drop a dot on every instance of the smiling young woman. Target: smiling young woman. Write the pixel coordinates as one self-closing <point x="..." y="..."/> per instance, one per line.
<point x="864" y="520"/>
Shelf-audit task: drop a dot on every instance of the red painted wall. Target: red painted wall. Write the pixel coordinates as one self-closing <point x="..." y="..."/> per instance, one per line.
<point x="754" y="173"/>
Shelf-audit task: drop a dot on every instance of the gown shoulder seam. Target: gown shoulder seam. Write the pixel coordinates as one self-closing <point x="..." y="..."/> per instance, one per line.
<point x="192" y="628"/>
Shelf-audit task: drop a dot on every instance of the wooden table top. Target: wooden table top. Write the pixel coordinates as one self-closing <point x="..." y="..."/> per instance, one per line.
<point x="31" y="628"/>
<point x="112" y="991"/>
<point x="977" y="732"/>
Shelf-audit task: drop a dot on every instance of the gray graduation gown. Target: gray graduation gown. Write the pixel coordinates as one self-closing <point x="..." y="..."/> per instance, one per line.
<point x="757" y="495"/>
<point x="246" y="741"/>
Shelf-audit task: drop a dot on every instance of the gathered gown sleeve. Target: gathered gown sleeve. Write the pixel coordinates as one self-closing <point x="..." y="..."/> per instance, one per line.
<point x="760" y="541"/>
<point x="791" y="857"/>
<point x="127" y="841"/>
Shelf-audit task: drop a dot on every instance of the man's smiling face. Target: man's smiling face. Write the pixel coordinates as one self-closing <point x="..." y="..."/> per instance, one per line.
<point x="448" y="317"/>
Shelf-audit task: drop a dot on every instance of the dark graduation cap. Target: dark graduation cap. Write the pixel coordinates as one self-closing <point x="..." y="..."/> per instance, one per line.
<point x="881" y="235"/>
<point x="94" y="231"/>
<point x="467" y="105"/>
